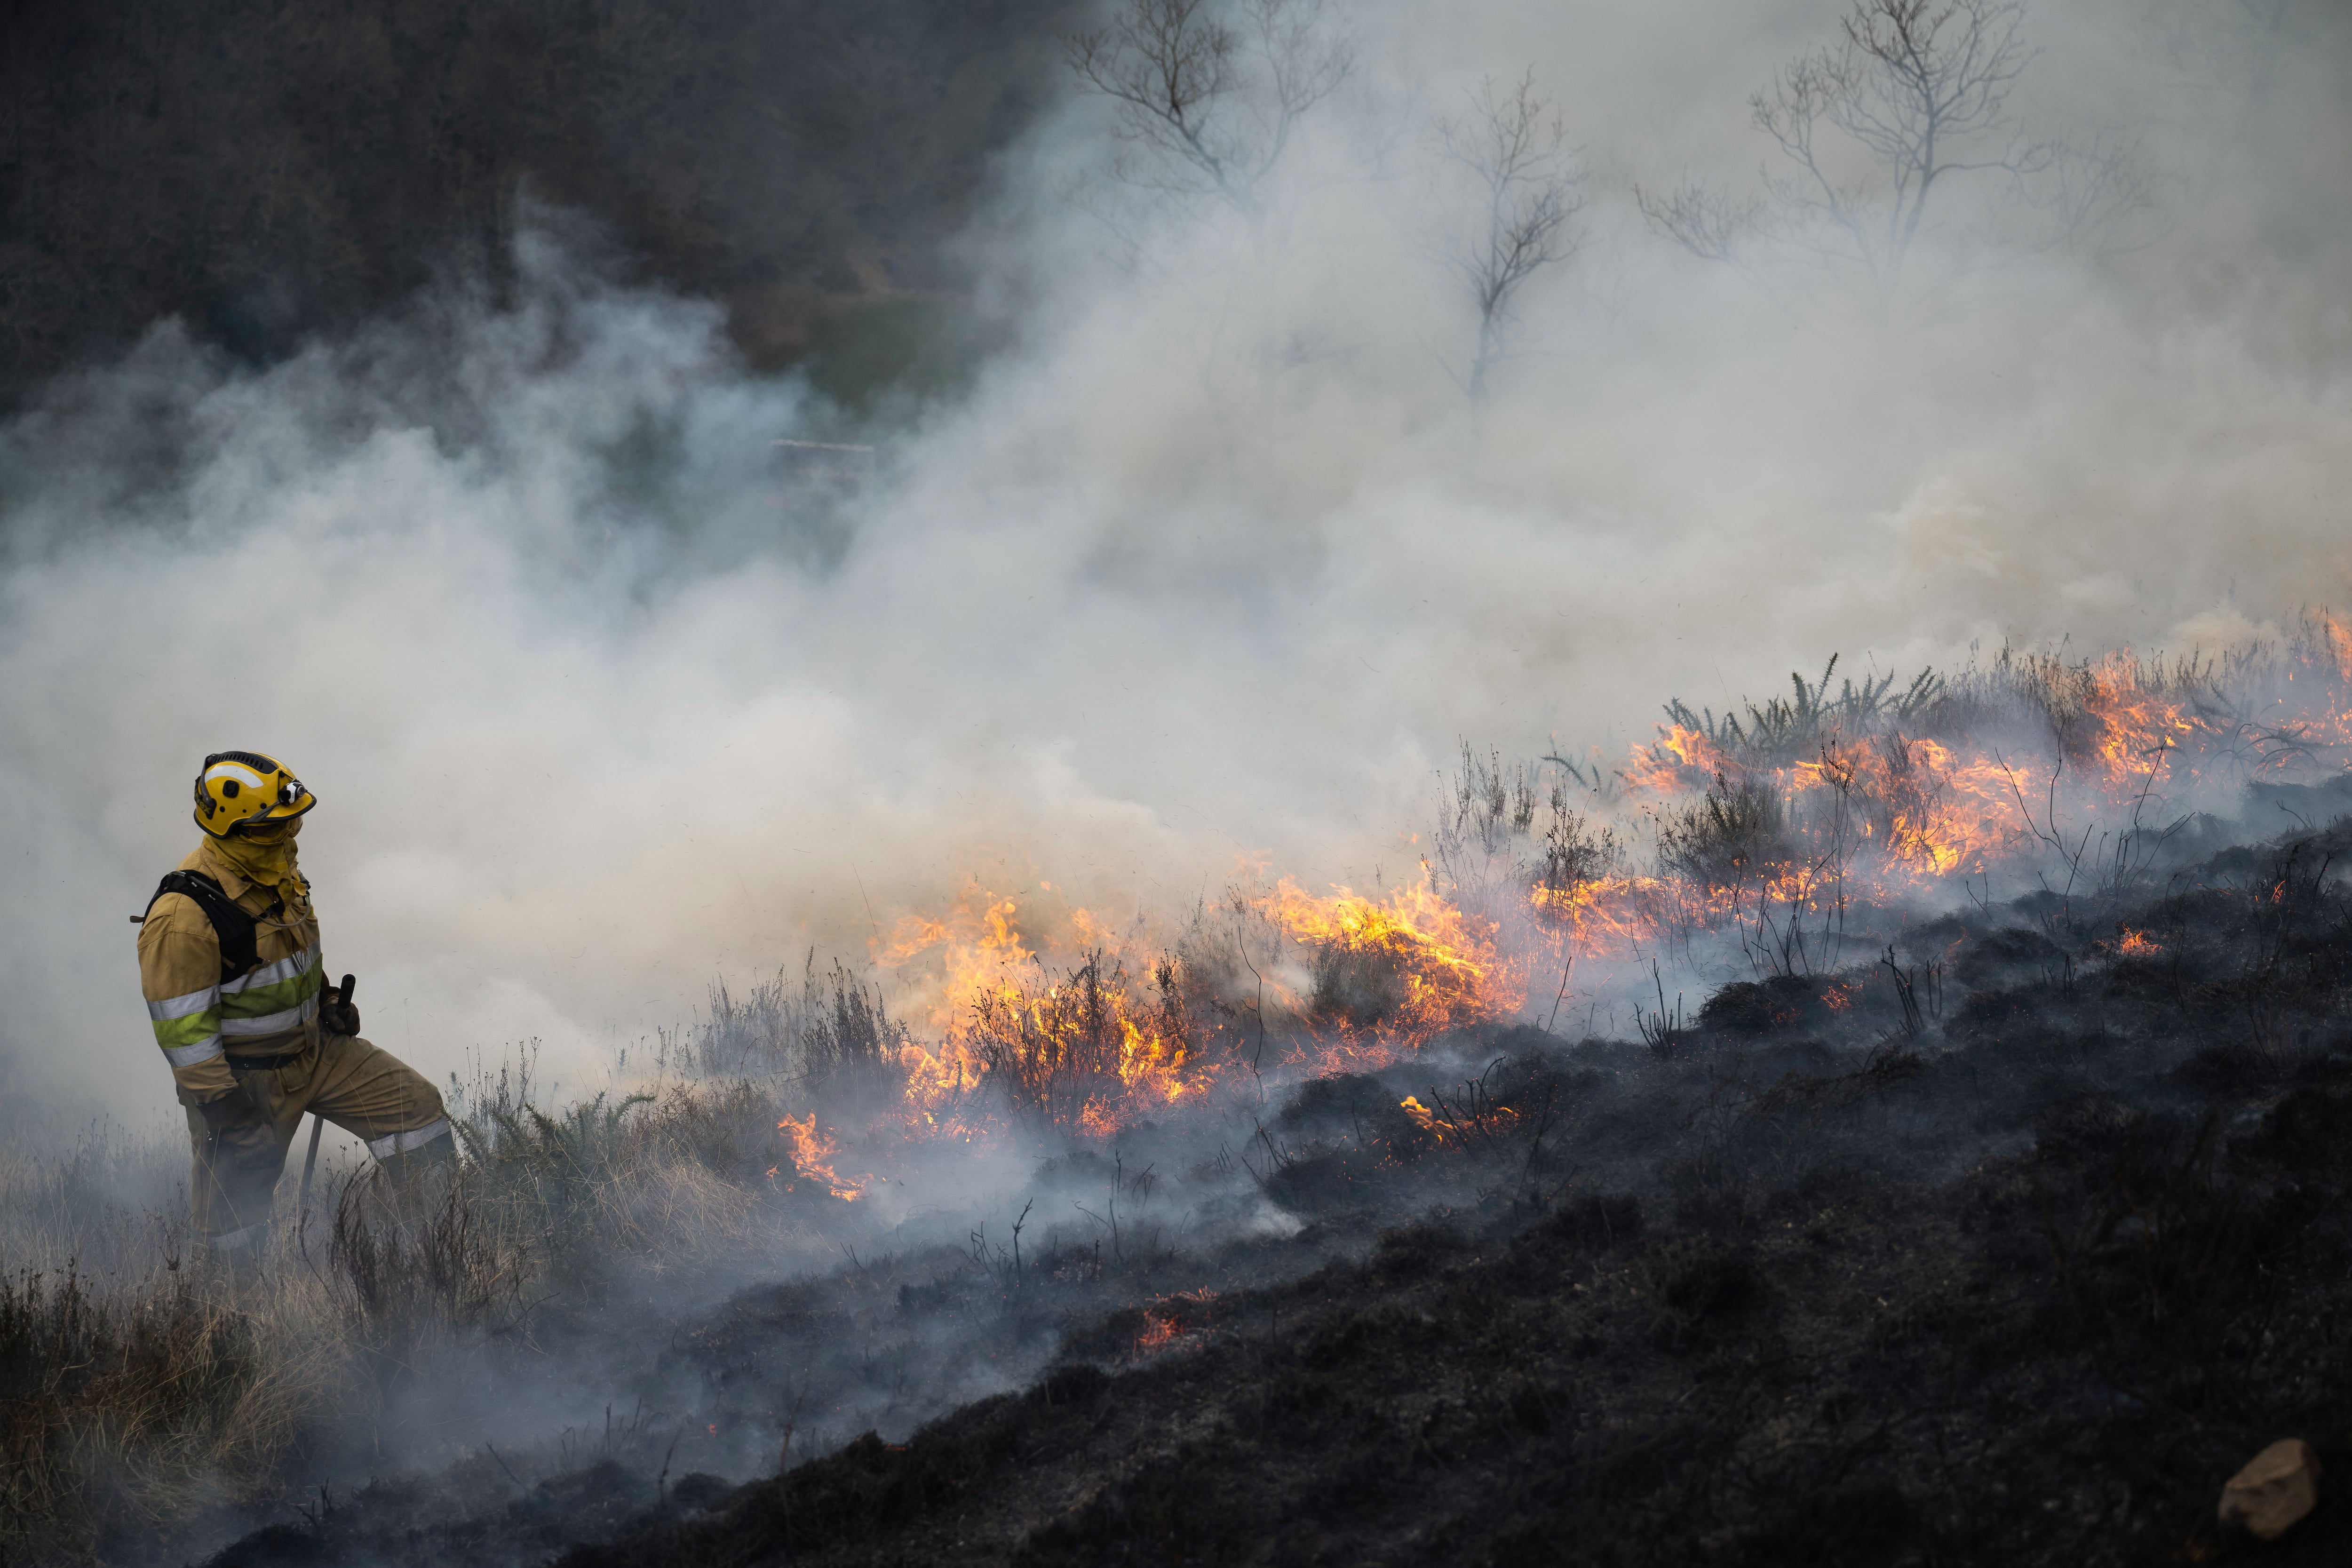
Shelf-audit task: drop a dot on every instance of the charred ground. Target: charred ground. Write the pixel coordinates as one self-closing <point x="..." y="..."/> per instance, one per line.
<point x="1842" y="1271"/>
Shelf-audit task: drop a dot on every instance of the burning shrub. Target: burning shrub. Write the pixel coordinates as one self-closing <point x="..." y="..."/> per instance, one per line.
<point x="1502" y="1114"/>
<point x="1727" y="836"/>
<point x="1361" y="980"/>
<point x="1327" y="982"/>
<point x="1892" y="786"/>
<point x="1576" y="856"/>
<point x="812" y="1153"/>
<point x="1067" y="1056"/>
<point x="1373" y="968"/>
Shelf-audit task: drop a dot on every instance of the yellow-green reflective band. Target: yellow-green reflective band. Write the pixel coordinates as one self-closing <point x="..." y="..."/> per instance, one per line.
<point x="180" y="1006"/>
<point x="402" y="1142"/>
<point x="203" y="1050"/>
<point x="270" y="974"/>
<point x="270" y="1022"/>
<point x="262" y="1001"/>
<point x="178" y="1034"/>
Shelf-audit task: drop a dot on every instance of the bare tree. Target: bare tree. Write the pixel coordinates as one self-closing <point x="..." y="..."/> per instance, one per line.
<point x="1703" y="220"/>
<point x="1523" y="181"/>
<point x="1872" y="131"/>
<point x="1918" y="84"/>
<point x="2097" y="196"/>
<point x="1208" y="94"/>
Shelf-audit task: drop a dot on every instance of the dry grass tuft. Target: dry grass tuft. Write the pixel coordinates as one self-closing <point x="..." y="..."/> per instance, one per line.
<point x="125" y="1411"/>
<point x="148" y="1389"/>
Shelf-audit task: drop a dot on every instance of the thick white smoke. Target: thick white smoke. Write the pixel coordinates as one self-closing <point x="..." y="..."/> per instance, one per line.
<point x="1208" y="568"/>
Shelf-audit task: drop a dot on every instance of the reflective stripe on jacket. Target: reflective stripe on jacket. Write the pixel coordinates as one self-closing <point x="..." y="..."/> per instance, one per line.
<point x="271" y="1009"/>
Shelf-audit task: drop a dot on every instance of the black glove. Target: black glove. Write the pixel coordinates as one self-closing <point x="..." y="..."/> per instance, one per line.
<point x="336" y="1014"/>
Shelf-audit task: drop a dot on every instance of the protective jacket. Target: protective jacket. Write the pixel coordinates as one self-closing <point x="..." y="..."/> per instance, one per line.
<point x="202" y="1018"/>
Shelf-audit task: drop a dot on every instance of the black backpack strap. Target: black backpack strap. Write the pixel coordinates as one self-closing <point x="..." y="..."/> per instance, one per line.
<point x="238" y="949"/>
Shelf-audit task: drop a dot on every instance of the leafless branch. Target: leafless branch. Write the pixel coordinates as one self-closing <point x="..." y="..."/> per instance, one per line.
<point x="1870" y="131"/>
<point x="1207" y="96"/>
<point x="1524" y="181"/>
<point x="2099" y="196"/>
<point x="1708" y="222"/>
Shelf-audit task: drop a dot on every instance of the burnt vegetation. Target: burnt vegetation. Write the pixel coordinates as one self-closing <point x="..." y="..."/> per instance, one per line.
<point x="2007" y="1245"/>
<point x="1998" y="1234"/>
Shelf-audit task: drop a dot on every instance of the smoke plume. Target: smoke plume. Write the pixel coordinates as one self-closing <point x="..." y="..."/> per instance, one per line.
<point x="1212" y="568"/>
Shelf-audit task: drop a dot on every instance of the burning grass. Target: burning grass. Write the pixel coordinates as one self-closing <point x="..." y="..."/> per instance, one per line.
<point x="1790" y="838"/>
<point x="1068" y="1053"/>
<point x="1843" y="1280"/>
<point x="1847" y="1271"/>
<point x="1777" y="860"/>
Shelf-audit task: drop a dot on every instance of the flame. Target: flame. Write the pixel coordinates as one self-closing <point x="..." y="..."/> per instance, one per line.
<point x="977" y="949"/>
<point x="2137" y="944"/>
<point x="1163" y="1329"/>
<point x="1442" y="1127"/>
<point x="987" y="972"/>
<point x="1093" y="1048"/>
<point x="1680" y="759"/>
<point x="1606" y="914"/>
<point x="1160" y="1330"/>
<point x="1406" y="966"/>
<point x="812" y="1153"/>
<point x="1355" y="982"/>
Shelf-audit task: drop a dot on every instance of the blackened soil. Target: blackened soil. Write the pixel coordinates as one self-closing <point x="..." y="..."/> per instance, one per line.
<point x="1862" y="1377"/>
<point x="2025" y="1279"/>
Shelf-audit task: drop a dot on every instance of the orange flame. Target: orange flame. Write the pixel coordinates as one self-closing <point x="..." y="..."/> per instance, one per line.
<point x="1406" y="966"/>
<point x="1163" y="1329"/>
<point x="1680" y="759"/>
<point x="1359" y="980"/>
<point x="812" y="1153"/>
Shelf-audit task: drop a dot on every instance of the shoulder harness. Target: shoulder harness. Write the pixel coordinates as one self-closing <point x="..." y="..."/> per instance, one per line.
<point x="238" y="949"/>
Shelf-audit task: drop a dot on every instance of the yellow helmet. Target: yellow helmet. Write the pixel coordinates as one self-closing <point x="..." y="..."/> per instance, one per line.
<point x="246" y="789"/>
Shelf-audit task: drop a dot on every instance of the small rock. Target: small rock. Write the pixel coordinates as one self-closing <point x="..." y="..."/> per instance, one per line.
<point x="2275" y="1490"/>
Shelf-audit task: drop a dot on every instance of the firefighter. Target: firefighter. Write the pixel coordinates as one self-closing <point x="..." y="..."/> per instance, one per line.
<point x="229" y="961"/>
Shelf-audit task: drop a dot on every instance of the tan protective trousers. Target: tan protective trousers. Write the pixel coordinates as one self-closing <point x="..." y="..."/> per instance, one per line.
<point x="366" y="1091"/>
